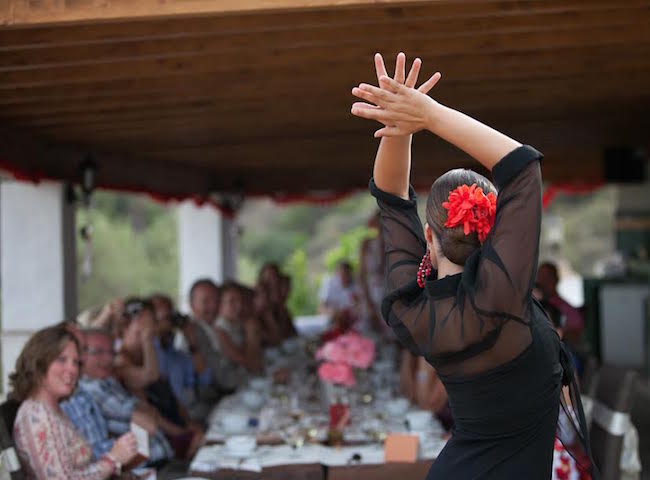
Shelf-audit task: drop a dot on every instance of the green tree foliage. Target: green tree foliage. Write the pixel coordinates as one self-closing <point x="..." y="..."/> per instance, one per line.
<point x="348" y="248"/>
<point x="302" y="299"/>
<point x="134" y="249"/>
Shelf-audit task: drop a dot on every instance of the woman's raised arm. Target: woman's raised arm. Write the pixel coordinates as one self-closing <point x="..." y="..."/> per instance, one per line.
<point x="404" y="111"/>
<point x="393" y="161"/>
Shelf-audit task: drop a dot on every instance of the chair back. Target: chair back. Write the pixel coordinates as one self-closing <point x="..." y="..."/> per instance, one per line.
<point x="590" y="376"/>
<point x="8" y="412"/>
<point x="8" y="456"/>
<point x="611" y="418"/>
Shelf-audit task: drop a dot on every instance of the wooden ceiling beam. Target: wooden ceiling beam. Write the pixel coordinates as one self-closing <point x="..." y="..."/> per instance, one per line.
<point x="26" y="12"/>
<point x="306" y="65"/>
<point x="208" y="85"/>
<point x="319" y="60"/>
<point x="283" y="111"/>
<point x="524" y="33"/>
<point x="532" y="93"/>
<point x="50" y="31"/>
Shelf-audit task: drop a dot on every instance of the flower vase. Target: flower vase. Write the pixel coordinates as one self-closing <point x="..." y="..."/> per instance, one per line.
<point x="335" y="400"/>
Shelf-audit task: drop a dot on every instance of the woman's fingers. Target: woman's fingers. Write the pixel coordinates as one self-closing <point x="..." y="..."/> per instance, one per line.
<point x="429" y="84"/>
<point x="370" y="113"/>
<point x="388" y="131"/>
<point x="380" y="67"/>
<point x="388" y="84"/>
<point x="400" y="67"/>
<point x="412" y="77"/>
<point x="372" y="94"/>
<point x="364" y="105"/>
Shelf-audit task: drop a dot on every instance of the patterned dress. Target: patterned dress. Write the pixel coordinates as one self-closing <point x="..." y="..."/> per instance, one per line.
<point x="49" y="446"/>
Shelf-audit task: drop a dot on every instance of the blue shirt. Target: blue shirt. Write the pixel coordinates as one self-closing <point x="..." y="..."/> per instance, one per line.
<point x="176" y="366"/>
<point x="115" y="404"/>
<point x="86" y="416"/>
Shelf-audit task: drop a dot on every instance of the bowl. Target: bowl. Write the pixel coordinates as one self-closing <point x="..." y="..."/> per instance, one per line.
<point x="252" y="399"/>
<point x="240" y="445"/>
<point x="272" y="354"/>
<point x="235" y="422"/>
<point x="260" y="384"/>
<point x="419" y="419"/>
<point x="383" y="366"/>
<point x="397" y="407"/>
<point x="291" y="345"/>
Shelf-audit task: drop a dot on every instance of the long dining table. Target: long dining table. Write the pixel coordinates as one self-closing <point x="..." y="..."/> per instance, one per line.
<point x="290" y="424"/>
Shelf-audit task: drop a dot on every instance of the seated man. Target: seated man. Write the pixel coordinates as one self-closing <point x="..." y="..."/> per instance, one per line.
<point x="547" y="281"/>
<point x="238" y="334"/>
<point x="188" y="376"/>
<point x="136" y="363"/>
<point x="138" y="369"/>
<point x="100" y="406"/>
<point x="339" y="299"/>
<point x="199" y="338"/>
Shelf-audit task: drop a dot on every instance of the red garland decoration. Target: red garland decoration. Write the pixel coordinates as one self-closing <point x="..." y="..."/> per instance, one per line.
<point x="470" y="207"/>
<point x="425" y="269"/>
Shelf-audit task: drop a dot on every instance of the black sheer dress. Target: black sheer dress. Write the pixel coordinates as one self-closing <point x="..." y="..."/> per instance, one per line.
<point x="497" y="354"/>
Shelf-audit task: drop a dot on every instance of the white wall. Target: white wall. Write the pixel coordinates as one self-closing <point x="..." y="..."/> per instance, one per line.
<point x="37" y="258"/>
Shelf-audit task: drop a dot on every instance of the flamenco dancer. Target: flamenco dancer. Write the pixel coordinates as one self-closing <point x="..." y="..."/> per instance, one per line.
<point x="460" y="289"/>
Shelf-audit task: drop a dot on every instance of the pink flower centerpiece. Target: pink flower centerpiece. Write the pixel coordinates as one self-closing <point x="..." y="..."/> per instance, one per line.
<point x="340" y="356"/>
<point x="337" y="373"/>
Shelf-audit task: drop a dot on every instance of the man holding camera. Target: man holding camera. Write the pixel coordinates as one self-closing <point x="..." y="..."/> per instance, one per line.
<point x="187" y="374"/>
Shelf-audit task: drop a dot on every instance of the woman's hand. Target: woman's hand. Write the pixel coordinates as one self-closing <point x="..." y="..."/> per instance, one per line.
<point x="400" y="70"/>
<point x="397" y="104"/>
<point x="125" y="448"/>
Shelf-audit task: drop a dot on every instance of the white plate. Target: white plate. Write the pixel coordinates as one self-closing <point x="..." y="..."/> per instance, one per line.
<point x="235" y="454"/>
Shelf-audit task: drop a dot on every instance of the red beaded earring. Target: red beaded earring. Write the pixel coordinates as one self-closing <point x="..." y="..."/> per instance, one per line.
<point x="425" y="269"/>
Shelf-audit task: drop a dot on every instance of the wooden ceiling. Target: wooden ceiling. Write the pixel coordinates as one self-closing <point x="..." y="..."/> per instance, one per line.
<point x="188" y="97"/>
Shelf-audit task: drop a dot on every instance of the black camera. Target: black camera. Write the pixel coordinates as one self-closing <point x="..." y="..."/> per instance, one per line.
<point x="133" y="308"/>
<point x="179" y="320"/>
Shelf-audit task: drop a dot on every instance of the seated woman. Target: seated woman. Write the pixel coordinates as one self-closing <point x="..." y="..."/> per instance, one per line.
<point x="282" y="311"/>
<point x="48" y="444"/>
<point x="238" y="332"/>
<point x="137" y="367"/>
<point x="271" y="331"/>
<point x="136" y="363"/>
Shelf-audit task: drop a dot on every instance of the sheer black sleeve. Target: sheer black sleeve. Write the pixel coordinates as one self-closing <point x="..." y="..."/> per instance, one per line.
<point x="460" y="317"/>
<point x="404" y="247"/>
<point x="507" y="263"/>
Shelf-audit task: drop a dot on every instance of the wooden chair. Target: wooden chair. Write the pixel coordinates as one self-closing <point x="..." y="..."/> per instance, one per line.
<point x="610" y="418"/>
<point x="9" y="457"/>
<point x="590" y="376"/>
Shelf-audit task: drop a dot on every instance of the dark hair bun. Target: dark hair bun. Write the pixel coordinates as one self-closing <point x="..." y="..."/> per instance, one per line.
<point x="455" y="245"/>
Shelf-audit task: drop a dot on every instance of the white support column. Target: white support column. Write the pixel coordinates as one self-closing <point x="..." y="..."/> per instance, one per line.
<point x="207" y="247"/>
<point x="38" y="263"/>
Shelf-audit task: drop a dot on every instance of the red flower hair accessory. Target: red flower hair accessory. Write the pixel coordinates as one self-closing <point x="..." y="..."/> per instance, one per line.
<point x="470" y="207"/>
